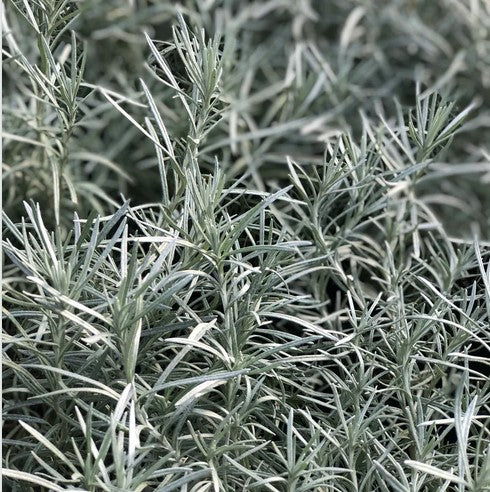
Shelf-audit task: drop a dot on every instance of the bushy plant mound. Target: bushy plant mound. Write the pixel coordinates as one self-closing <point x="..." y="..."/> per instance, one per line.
<point x="246" y="245"/>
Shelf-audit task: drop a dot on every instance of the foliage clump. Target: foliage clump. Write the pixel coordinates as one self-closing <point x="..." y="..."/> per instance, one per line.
<point x="246" y="245"/>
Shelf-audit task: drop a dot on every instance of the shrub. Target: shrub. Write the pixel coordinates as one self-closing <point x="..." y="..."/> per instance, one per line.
<point x="246" y="246"/>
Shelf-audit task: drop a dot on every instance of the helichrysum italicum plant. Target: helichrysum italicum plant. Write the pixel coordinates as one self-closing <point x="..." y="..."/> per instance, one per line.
<point x="246" y="246"/>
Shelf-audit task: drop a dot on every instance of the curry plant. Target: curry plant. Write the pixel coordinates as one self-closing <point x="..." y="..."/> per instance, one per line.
<point x="246" y="246"/>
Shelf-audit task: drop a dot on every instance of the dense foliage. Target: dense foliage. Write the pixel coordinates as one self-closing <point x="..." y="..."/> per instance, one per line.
<point x="246" y="245"/>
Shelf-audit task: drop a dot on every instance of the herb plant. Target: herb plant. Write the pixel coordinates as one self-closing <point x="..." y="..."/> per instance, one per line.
<point x="246" y="245"/>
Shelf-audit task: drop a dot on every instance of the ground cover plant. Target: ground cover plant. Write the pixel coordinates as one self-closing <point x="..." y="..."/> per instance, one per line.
<point x="246" y="245"/>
